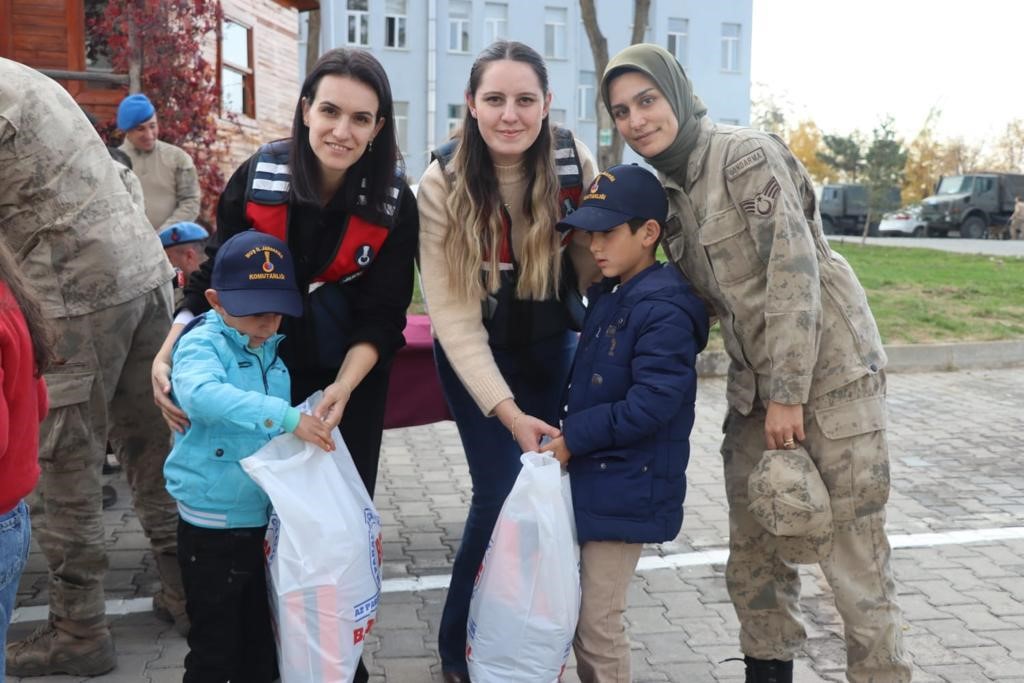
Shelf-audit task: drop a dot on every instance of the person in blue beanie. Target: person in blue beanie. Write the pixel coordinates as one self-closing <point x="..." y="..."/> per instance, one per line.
<point x="630" y="407"/>
<point x="229" y="378"/>
<point x="169" y="180"/>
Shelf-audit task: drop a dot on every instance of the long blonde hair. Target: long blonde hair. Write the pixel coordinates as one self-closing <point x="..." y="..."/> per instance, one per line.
<point x="474" y="204"/>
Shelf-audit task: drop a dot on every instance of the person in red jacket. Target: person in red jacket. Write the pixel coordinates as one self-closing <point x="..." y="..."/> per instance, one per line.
<point x="25" y="352"/>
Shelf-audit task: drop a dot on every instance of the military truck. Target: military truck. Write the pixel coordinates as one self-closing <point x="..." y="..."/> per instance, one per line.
<point x="970" y="203"/>
<point x="844" y="208"/>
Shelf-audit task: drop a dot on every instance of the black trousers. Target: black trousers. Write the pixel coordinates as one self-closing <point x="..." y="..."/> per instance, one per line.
<point x="226" y="600"/>
<point x="362" y="427"/>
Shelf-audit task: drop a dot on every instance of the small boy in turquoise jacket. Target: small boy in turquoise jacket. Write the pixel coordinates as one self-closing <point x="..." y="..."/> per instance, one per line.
<point x="235" y="390"/>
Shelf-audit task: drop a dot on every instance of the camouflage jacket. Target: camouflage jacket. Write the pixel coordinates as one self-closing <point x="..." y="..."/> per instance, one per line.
<point x="746" y="232"/>
<point x="64" y="210"/>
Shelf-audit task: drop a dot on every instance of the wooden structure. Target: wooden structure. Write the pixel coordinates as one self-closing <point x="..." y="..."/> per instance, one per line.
<point x="51" y="36"/>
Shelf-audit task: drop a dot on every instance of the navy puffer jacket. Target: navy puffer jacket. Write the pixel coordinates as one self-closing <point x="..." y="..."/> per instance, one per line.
<point x="630" y="407"/>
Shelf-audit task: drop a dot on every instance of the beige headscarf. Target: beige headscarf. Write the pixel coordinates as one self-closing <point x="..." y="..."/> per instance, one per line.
<point x="661" y="66"/>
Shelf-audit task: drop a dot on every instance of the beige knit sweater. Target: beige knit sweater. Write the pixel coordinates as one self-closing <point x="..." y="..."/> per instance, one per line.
<point x="458" y="324"/>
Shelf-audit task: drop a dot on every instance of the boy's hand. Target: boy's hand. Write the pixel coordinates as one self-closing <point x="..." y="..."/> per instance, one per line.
<point x="560" y="450"/>
<point x="315" y="431"/>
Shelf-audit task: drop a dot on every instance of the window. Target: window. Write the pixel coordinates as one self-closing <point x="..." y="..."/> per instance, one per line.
<point x="587" y="93"/>
<point x="97" y="52"/>
<point x="236" y="79"/>
<point x="456" y="113"/>
<point x="730" y="47"/>
<point x="394" y="23"/>
<point x="458" y="26"/>
<point x="495" y="21"/>
<point x="401" y="116"/>
<point x="358" y="22"/>
<point x="554" y="32"/>
<point x="557" y="117"/>
<point x="678" y="29"/>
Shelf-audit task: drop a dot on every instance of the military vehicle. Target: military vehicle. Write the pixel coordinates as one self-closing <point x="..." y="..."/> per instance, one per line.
<point x="970" y="203"/>
<point x="844" y="207"/>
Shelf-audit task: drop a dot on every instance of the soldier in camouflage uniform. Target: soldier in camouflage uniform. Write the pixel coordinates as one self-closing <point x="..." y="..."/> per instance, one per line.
<point x="104" y="282"/>
<point x="1017" y="220"/>
<point x="806" y="360"/>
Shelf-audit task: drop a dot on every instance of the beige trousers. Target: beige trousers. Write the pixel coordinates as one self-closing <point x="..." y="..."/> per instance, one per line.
<point x="601" y="644"/>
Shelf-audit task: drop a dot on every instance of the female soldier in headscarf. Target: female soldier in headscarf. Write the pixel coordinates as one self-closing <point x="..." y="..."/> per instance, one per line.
<point x="806" y="362"/>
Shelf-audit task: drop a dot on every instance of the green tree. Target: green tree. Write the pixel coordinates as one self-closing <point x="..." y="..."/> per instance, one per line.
<point x="884" y="164"/>
<point x="843" y="154"/>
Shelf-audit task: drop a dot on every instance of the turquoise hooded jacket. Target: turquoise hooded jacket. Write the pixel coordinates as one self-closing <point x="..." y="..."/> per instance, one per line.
<point x="237" y="400"/>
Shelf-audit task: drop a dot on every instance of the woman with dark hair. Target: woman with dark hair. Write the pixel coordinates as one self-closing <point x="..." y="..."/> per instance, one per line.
<point x="497" y="277"/>
<point x="25" y="353"/>
<point x="334" y="192"/>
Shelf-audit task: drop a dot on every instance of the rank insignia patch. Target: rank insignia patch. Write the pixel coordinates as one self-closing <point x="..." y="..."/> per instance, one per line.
<point x="763" y="203"/>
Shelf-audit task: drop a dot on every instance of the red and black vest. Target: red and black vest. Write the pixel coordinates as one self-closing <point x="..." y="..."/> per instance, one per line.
<point x="512" y="322"/>
<point x="319" y="339"/>
<point x="266" y="208"/>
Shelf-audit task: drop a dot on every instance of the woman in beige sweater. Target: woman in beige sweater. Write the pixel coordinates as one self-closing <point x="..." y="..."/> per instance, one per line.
<point x="497" y="277"/>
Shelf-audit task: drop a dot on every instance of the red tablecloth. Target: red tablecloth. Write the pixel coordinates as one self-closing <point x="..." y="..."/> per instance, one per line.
<point x="414" y="393"/>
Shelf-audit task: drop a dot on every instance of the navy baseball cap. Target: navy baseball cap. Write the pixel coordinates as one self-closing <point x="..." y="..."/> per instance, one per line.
<point x="183" y="233"/>
<point x="253" y="273"/>
<point x="616" y="196"/>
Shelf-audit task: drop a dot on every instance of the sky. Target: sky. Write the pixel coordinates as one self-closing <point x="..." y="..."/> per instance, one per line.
<point x="845" y="64"/>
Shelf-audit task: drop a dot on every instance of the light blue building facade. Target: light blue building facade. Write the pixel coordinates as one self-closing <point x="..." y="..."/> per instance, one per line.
<point x="428" y="46"/>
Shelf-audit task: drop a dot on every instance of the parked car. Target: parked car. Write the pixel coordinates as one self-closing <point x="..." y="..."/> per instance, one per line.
<point x="906" y="222"/>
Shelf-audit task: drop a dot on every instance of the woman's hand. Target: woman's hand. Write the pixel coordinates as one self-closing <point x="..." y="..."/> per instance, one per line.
<point x="332" y="407"/>
<point x="783" y="425"/>
<point x="528" y="430"/>
<point x="160" y="375"/>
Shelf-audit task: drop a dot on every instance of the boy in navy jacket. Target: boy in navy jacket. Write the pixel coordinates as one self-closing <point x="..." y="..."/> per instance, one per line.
<point x="630" y="408"/>
<point x="235" y="390"/>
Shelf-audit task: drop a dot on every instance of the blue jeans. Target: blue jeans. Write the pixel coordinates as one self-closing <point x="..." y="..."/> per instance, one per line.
<point x="15" y="537"/>
<point x="537" y="375"/>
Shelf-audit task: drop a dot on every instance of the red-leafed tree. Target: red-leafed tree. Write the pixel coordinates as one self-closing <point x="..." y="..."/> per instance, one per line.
<point x="159" y="44"/>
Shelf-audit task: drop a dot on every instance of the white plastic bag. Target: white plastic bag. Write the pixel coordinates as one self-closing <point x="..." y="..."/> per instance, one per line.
<point x="323" y="551"/>
<point x="526" y="601"/>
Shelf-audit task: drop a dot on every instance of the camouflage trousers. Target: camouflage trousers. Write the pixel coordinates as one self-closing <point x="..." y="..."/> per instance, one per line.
<point x="101" y="391"/>
<point x="845" y="436"/>
<point x="1016" y="230"/>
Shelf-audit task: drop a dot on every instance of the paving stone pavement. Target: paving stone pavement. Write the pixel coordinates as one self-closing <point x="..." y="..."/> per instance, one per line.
<point x="957" y="447"/>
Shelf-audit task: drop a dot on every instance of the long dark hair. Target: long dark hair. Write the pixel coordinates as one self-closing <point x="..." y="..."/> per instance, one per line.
<point x="377" y="166"/>
<point x="39" y="329"/>
<point x="475" y="200"/>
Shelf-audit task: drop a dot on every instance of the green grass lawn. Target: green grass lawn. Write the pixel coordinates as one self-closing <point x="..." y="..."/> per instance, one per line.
<point x="922" y="295"/>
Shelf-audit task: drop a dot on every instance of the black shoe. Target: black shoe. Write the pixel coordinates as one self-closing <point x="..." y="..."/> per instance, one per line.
<point x="109" y="496"/>
<point x="768" y="670"/>
<point x="454" y="677"/>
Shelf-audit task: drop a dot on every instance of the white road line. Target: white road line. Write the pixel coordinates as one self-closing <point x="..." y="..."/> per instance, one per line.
<point x="646" y="564"/>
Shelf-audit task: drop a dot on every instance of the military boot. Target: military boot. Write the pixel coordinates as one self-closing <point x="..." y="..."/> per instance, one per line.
<point x="64" y="646"/>
<point x="169" y="601"/>
<point x="768" y="670"/>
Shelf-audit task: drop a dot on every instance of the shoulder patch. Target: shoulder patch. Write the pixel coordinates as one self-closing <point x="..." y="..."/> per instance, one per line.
<point x="744" y="164"/>
<point x="763" y="203"/>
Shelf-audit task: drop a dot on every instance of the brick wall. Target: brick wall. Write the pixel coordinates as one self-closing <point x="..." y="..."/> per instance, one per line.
<point x="275" y="47"/>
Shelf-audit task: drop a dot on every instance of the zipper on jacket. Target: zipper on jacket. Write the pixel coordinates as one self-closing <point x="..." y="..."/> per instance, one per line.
<point x="263" y="371"/>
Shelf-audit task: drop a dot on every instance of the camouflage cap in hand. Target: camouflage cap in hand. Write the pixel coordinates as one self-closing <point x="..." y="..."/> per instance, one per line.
<point x="789" y="499"/>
